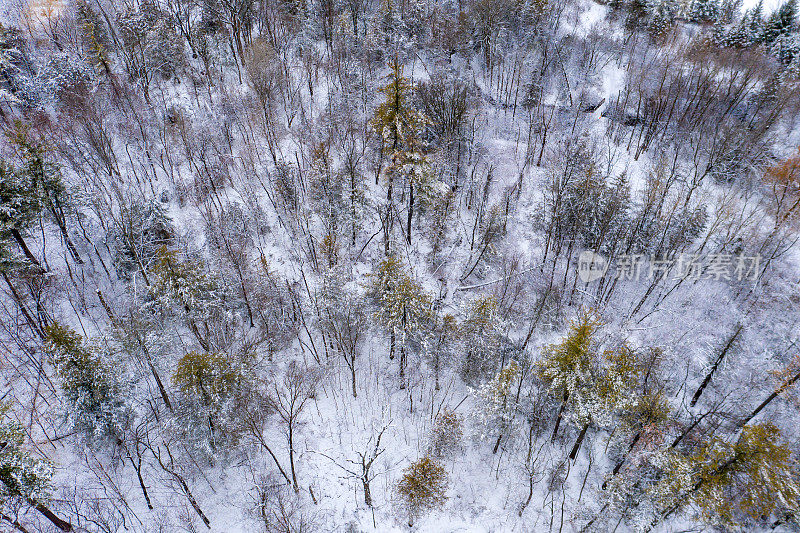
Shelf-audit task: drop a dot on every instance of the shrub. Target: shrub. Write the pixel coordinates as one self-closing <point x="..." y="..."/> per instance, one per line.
<point x="422" y="487"/>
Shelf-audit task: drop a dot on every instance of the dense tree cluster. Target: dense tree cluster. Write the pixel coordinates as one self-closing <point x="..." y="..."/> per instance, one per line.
<point x="370" y="265"/>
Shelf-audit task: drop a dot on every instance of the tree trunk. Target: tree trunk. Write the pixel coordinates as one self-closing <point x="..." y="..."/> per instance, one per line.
<point x="18" y="526"/>
<point x="560" y="416"/>
<point x="721" y="356"/>
<point x="497" y="444"/>
<point x="769" y="399"/>
<point x="621" y="462"/>
<point x="353" y="376"/>
<point x="403" y="365"/>
<point x="367" y="493"/>
<point x="24" y="310"/>
<point x="574" y="453"/>
<point x="410" y="210"/>
<point x="291" y="459"/>
<point x="25" y="250"/>
<point x="60" y="524"/>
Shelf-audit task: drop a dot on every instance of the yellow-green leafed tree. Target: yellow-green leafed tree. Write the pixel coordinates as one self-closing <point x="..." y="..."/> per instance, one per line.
<point x="593" y="387"/>
<point x="211" y="388"/>
<point x="734" y="484"/>
<point x="569" y="367"/>
<point x="93" y="403"/>
<point x="399" y="127"/>
<point x="396" y="122"/>
<point x="403" y="305"/>
<point x="208" y="377"/>
<point x="423" y="487"/>
<point x="180" y="286"/>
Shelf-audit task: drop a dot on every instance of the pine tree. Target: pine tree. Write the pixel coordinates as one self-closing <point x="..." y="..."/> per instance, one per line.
<point x="210" y="385"/>
<point x="180" y="282"/>
<point x="703" y="11"/>
<point x="446" y="434"/>
<point x="404" y="307"/>
<point x="94" y="403"/>
<point x="568" y="368"/>
<point x="782" y="22"/>
<point x="593" y="388"/>
<point x="138" y="232"/>
<point x="20" y="207"/>
<point x="24" y="478"/>
<point x="180" y="286"/>
<point x="46" y="177"/>
<point x="399" y="127"/>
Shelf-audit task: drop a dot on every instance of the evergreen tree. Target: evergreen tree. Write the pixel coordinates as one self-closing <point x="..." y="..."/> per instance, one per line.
<point x="94" y="403"/>
<point x="782" y="22"/>
<point x="24" y="478"/>
<point x="592" y="387"/>
<point x="399" y="127"/>
<point x="180" y="284"/>
<point x="138" y="232"/>
<point x="45" y="176"/>
<point x="403" y="306"/>
<point x="211" y="385"/>
<point x="703" y="11"/>
<point x="20" y="207"/>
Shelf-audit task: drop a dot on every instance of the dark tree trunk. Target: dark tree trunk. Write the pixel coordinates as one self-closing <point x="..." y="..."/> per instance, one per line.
<point x="410" y="211"/>
<point x="560" y="416"/>
<point x="367" y="493"/>
<point x="497" y="444"/>
<point x="47" y="513"/>
<point x="769" y="398"/>
<point x="291" y="459"/>
<point x="25" y="250"/>
<point x="574" y="453"/>
<point x="621" y="462"/>
<point x="710" y="374"/>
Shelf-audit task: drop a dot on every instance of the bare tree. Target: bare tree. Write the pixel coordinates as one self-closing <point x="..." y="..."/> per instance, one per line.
<point x="288" y="399"/>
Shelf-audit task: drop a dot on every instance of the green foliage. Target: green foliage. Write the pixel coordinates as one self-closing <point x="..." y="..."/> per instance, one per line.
<point x="595" y="386"/>
<point x="734" y="483"/>
<point x="781" y="22"/>
<point x="20" y="200"/>
<point x="22" y="476"/>
<point x="568" y="365"/>
<point x="93" y="401"/>
<point x="213" y="392"/>
<point x="25" y="191"/>
<point x="403" y="303"/>
<point x="93" y="31"/>
<point x="152" y="45"/>
<point x="395" y="121"/>
<point x="139" y="232"/>
<point x="423" y="487"/>
<point x="209" y="378"/>
<point x="182" y="283"/>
